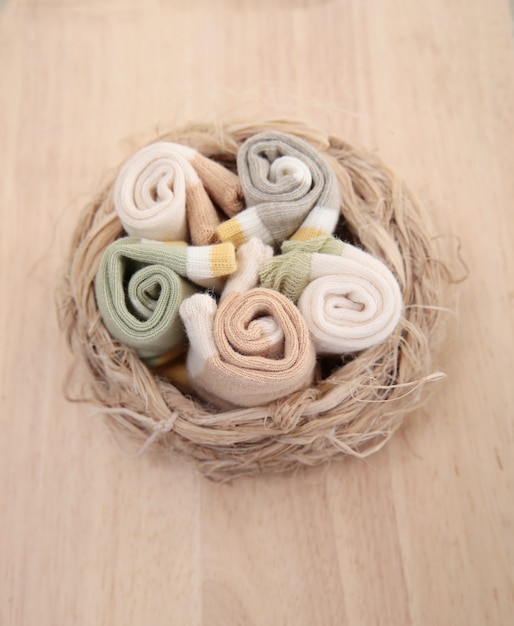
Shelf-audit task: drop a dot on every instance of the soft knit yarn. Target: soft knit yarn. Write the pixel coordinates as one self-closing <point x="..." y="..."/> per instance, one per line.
<point x="221" y="184"/>
<point x="349" y="299"/>
<point x="283" y="178"/>
<point x="140" y="285"/>
<point x="207" y="266"/>
<point x="290" y="271"/>
<point x="251" y="349"/>
<point x="162" y="192"/>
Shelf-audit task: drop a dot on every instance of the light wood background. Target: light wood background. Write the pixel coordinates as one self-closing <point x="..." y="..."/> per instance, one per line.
<point x="423" y="532"/>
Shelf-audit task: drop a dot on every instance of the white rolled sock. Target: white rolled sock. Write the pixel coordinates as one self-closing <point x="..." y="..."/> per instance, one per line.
<point x="162" y="193"/>
<point x="351" y="302"/>
<point x="150" y="193"/>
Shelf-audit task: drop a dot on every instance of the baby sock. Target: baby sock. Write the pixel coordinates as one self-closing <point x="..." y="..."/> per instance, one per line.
<point x="283" y="178"/>
<point x="251" y="349"/>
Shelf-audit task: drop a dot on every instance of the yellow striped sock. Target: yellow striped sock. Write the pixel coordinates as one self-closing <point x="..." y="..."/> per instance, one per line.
<point x="304" y="233"/>
<point x="231" y="230"/>
<point x="222" y="259"/>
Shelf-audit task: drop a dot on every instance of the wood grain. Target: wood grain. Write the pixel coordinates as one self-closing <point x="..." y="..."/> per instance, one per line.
<point x="420" y="534"/>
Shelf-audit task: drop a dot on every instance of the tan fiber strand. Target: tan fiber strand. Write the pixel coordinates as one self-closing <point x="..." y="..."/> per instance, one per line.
<point x="356" y="405"/>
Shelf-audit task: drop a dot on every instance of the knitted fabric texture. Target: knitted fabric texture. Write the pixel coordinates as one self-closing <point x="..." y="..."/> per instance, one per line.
<point x="283" y="178"/>
<point x="252" y="348"/>
<point x="349" y="299"/>
<point x="161" y="193"/>
<point x="140" y="285"/>
<point x="290" y="272"/>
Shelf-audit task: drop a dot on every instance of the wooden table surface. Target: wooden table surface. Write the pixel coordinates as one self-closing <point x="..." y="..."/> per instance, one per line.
<point x="420" y="533"/>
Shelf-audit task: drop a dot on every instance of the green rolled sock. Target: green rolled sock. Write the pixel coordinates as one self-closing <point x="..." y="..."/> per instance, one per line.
<point x="140" y="285"/>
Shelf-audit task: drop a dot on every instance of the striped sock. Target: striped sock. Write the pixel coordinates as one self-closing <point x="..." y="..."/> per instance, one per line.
<point x="283" y="178"/>
<point x="320" y="222"/>
<point x="290" y="271"/>
<point x="206" y="266"/>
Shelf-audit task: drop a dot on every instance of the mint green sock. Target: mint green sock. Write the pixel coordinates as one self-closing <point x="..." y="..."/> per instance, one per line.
<point x="139" y="288"/>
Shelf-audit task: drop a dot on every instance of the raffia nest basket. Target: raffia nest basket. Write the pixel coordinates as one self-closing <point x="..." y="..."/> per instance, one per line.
<point x="357" y="403"/>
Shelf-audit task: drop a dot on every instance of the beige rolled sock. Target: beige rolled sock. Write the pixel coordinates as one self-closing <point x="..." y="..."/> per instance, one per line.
<point x="283" y="179"/>
<point x="158" y="194"/>
<point x="251" y="349"/>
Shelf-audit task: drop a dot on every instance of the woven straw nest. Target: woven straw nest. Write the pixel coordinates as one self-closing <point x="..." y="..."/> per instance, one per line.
<point x="360" y="400"/>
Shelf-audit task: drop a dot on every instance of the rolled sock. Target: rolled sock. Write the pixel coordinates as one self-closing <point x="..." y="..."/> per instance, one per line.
<point x="139" y="287"/>
<point x="253" y="347"/>
<point x="234" y="360"/>
<point x="283" y="179"/>
<point x="349" y="299"/>
<point x="158" y="194"/>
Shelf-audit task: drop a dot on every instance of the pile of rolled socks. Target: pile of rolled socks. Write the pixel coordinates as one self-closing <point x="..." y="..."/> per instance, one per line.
<point x="240" y="271"/>
<point x="254" y="296"/>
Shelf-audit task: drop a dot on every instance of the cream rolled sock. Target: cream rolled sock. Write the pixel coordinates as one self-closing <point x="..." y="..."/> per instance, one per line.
<point x="158" y="194"/>
<point x="254" y="347"/>
<point x="283" y="179"/>
<point x="349" y="299"/>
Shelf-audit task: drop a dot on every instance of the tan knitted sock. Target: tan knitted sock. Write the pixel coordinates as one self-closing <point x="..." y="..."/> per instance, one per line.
<point x="221" y="184"/>
<point x="283" y="178"/>
<point x="158" y="194"/>
<point x="251" y="349"/>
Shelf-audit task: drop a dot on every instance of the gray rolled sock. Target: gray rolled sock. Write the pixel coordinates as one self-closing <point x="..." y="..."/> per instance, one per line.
<point x="283" y="178"/>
